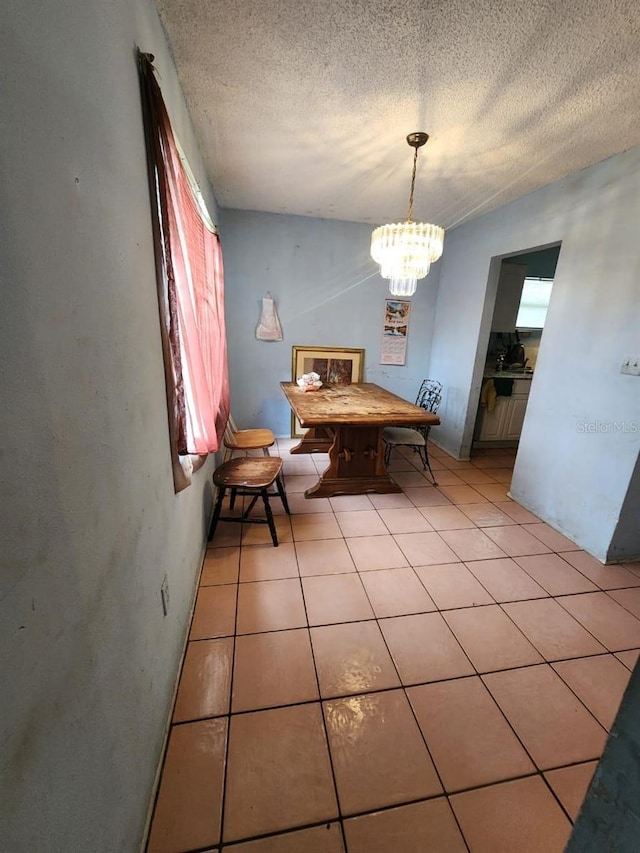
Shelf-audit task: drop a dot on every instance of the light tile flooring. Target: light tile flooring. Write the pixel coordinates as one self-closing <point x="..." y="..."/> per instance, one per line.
<point x="427" y="671"/>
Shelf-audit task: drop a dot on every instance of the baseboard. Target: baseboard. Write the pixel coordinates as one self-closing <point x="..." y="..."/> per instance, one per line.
<point x="167" y="727"/>
<point x="448" y="451"/>
<point x="481" y="445"/>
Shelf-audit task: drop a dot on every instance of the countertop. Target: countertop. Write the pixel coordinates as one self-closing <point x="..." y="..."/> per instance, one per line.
<point x="506" y="374"/>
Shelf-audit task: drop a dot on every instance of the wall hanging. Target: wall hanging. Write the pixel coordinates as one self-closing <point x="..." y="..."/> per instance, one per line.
<point x="395" y="331"/>
<point x="269" y="328"/>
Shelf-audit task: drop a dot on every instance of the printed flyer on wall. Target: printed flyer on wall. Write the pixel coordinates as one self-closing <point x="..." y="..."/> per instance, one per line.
<point x="394" y="333"/>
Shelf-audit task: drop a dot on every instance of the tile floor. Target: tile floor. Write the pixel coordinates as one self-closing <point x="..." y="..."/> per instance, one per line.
<point x="428" y="671"/>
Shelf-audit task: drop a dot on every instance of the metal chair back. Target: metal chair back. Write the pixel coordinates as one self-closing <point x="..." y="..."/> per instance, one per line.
<point x="429" y="398"/>
<point x="430" y="395"/>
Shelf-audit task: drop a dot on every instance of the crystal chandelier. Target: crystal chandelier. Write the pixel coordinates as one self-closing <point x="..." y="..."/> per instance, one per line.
<point x="405" y="250"/>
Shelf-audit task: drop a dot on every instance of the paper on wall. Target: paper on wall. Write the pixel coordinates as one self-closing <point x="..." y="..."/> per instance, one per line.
<point x="269" y="328"/>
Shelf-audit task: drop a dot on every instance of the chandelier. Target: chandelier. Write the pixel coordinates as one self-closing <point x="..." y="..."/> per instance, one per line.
<point x="405" y="250"/>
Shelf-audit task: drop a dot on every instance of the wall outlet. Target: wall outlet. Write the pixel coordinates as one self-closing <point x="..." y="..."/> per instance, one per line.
<point x="164" y="595"/>
<point x="631" y="365"/>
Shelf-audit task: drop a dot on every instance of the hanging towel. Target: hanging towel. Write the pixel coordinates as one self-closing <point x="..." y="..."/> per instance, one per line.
<point x="504" y="387"/>
<point x="269" y="328"/>
<point x="488" y="395"/>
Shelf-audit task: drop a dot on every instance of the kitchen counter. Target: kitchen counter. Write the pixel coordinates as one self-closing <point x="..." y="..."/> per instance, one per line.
<point x="506" y="374"/>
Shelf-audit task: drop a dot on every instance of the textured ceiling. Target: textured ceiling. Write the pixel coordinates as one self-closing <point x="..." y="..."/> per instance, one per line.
<point x="303" y="106"/>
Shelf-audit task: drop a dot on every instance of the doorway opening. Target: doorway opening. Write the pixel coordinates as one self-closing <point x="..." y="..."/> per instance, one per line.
<point x="524" y="288"/>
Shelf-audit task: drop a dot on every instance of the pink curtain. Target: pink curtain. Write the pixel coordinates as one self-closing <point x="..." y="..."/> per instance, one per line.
<point x="192" y="294"/>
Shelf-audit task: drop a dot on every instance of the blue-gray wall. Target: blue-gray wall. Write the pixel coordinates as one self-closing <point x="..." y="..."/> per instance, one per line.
<point x="328" y="293"/>
<point x="90" y="522"/>
<point x="574" y="465"/>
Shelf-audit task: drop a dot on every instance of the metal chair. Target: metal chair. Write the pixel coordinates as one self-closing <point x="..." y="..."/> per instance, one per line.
<point x="429" y="398"/>
<point x="251" y="476"/>
<point x="246" y="439"/>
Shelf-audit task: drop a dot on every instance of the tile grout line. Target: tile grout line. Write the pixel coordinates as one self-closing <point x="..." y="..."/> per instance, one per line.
<point x="403" y="684"/>
<point x="413" y="714"/>
<point x="539" y="772"/>
<point x="332" y="512"/>
<point x="424" y="739"/>
<point x="322" y="716"/>
<point x="229" y="712"/>
<point x="478" y="675"/>
<point x="170" y="724"/>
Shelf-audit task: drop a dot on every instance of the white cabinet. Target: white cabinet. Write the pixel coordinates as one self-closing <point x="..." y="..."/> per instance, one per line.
<point x="492" y="423"/>
<point x="514" y="418"/>
<point x="505" y="422"/>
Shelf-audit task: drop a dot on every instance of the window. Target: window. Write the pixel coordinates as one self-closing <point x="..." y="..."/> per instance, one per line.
<point x="534" y="302"/>
<point x="190" y="292"/>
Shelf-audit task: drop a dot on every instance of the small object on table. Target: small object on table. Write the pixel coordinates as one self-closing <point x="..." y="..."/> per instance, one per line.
<point x="309" y="382"/>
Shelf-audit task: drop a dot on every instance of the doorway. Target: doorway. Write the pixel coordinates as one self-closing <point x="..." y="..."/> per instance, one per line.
<point x="511" y="349"/>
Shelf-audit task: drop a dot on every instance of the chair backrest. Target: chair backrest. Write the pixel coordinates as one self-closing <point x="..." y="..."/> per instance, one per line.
<point x="230" y="428"/>
<point x="430" y="395"/>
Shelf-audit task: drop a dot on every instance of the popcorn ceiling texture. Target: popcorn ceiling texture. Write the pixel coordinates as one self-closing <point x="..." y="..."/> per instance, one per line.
<point x="303" y="106"/>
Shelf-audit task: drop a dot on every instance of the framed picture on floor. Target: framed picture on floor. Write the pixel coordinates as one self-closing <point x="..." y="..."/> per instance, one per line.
<point x="334" y="365"/>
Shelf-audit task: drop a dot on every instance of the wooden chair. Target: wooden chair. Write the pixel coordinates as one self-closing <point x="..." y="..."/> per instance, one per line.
<point x="246" y="439"/>
<point x="429" y="398"/>
<point x="251" y="476"/>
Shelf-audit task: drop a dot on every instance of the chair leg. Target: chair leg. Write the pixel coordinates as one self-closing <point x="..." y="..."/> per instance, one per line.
<point x="251" y="506"/>
<point x="283" y="496"/>
<point x="269" y="514"/>
<point x="387" y="455"/>
<point x="216" y="512"/>
<point x="422" y="453"/>
<point x="232" y="499"/>
<point x="265" y="451"/>
<point x="428" y="465"/>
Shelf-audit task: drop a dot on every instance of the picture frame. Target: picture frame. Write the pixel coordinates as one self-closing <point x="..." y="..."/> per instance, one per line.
<point x="335" y="366"/>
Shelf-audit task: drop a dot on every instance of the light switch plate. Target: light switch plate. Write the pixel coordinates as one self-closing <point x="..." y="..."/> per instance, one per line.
<point x="631" y="365"/>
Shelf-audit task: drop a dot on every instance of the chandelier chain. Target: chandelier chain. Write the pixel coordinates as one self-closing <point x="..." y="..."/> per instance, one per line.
<point x="413" y="183"/>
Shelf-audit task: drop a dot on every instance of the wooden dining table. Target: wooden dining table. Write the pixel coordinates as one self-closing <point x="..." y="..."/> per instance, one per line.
<point x="347" y="422"/>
